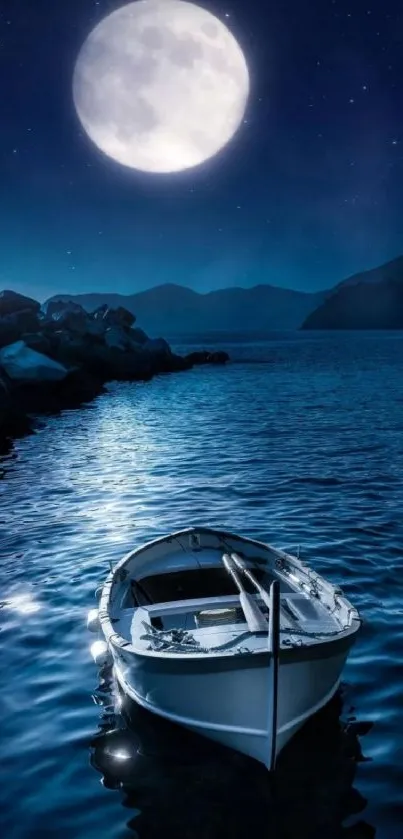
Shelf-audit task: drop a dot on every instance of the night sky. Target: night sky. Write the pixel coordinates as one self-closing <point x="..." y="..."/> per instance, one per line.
<point x="308" y="192"/>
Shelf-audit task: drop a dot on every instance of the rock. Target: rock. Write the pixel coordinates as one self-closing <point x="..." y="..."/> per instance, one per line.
<point x="160" y="355"/>
<point x="115" y="337"/>
<point x="77" y="388"/>
<point x="132" y="366"/>
<point x="54" y="307"/>
<point x="13" y="421"/>
<point x="98" y="314"/>
<point x="11" y="302"/>
<point x="119" y="358"/>
<point x="62" y="356"/>
<point x="25" y="365"/>
<point x="118" y="317"/>
<point x="125" y="317"/>
<point x="178" y="363"/>
<point x="138" y="336"/>
<point x="112" y="364"/>
<point x="73" y="318"/>
<point x="96" y="328"/>
<point x="92" y="358"/>
<point x="74" y="321"/>
<point x="156" y="346"/>
<point x="134" y="347"/>
<point x="37" y="341"/>
<point x="205" y="357"/>
<point x="14" y="325"/>
<point x="67" y="348"/>
<point x="199" y="357"/>
<point x="219" y="357"/>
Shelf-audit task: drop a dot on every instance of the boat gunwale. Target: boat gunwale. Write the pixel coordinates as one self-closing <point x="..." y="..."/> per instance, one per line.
<point x="288" y="653"/>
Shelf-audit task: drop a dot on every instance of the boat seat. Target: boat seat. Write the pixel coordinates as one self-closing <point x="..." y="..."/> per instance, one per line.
<point x="178" y="615"/>
<point x="188" y="585"/>
<point x="309" y="615"/>
<point x="303" y="608"/>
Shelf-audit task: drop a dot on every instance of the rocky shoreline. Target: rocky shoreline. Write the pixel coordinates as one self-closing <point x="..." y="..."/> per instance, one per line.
<point x="61" y="356"/>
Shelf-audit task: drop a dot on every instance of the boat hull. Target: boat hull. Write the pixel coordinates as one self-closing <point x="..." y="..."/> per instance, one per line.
<point x="228" y="699"/>
<point x="245" y="695"/>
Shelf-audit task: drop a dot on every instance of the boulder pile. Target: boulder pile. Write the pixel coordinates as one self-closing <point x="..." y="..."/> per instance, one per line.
<point x="60" y="356"/>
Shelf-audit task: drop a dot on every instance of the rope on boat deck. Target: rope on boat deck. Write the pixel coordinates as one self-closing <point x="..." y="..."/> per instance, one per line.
<point x="306" y="634"/>
<point x="184" y="642"/>
<point x="180" y="640"/>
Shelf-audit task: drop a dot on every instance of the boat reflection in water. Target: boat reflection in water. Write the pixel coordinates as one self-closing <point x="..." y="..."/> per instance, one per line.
<point x="179" y="784"/>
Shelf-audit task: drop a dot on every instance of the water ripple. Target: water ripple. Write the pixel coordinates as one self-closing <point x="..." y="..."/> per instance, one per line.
<point x="304" y="448"/>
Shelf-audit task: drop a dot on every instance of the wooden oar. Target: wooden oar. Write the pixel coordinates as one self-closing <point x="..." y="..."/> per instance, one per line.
<point x="251" y="577"/>
<point x="254" y="617"/>
<point x="272" y="600"/>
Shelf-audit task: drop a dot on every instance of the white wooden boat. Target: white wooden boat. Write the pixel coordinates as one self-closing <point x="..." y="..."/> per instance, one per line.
<point x="225" y="635"/>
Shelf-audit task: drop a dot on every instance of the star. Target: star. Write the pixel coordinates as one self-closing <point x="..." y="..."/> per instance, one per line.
<point x="394" y="142"/>
<point x="351" y="101"/>
<point x="365" y="87"/>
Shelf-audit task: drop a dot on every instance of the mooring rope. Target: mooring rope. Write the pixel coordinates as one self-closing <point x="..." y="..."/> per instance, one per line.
<point x="180" y="640"/>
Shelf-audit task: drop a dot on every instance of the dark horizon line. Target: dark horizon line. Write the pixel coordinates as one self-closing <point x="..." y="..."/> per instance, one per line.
<point x="187" y="288"/>
<point x="224" y="288"/>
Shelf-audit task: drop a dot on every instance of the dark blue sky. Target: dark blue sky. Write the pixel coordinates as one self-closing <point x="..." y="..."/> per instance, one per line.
<point x="308" y="192"/>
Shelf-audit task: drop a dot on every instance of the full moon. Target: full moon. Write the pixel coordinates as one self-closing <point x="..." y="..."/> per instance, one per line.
<point x="161" y="85"/>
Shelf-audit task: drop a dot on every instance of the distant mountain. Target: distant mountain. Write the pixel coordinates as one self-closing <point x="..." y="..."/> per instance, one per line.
<point x="173" y="309"/>
<point x="370" y="300"/>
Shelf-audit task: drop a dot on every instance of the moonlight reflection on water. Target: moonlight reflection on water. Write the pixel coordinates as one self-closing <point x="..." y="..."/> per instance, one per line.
<point x="292" y="452"/>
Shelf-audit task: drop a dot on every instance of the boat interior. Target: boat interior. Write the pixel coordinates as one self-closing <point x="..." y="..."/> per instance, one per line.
<point x="187" y="587"/>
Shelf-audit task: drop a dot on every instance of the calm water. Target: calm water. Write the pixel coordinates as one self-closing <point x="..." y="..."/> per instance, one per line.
<point x="299" y="442"/>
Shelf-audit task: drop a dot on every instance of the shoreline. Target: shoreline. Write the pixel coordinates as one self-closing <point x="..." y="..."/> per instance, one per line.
<point x="62" y="357"/>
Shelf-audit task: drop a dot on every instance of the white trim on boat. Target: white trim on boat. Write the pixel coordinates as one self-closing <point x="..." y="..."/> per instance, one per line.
<point x="186" y="721"/>
<point x="233" y="729"/>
